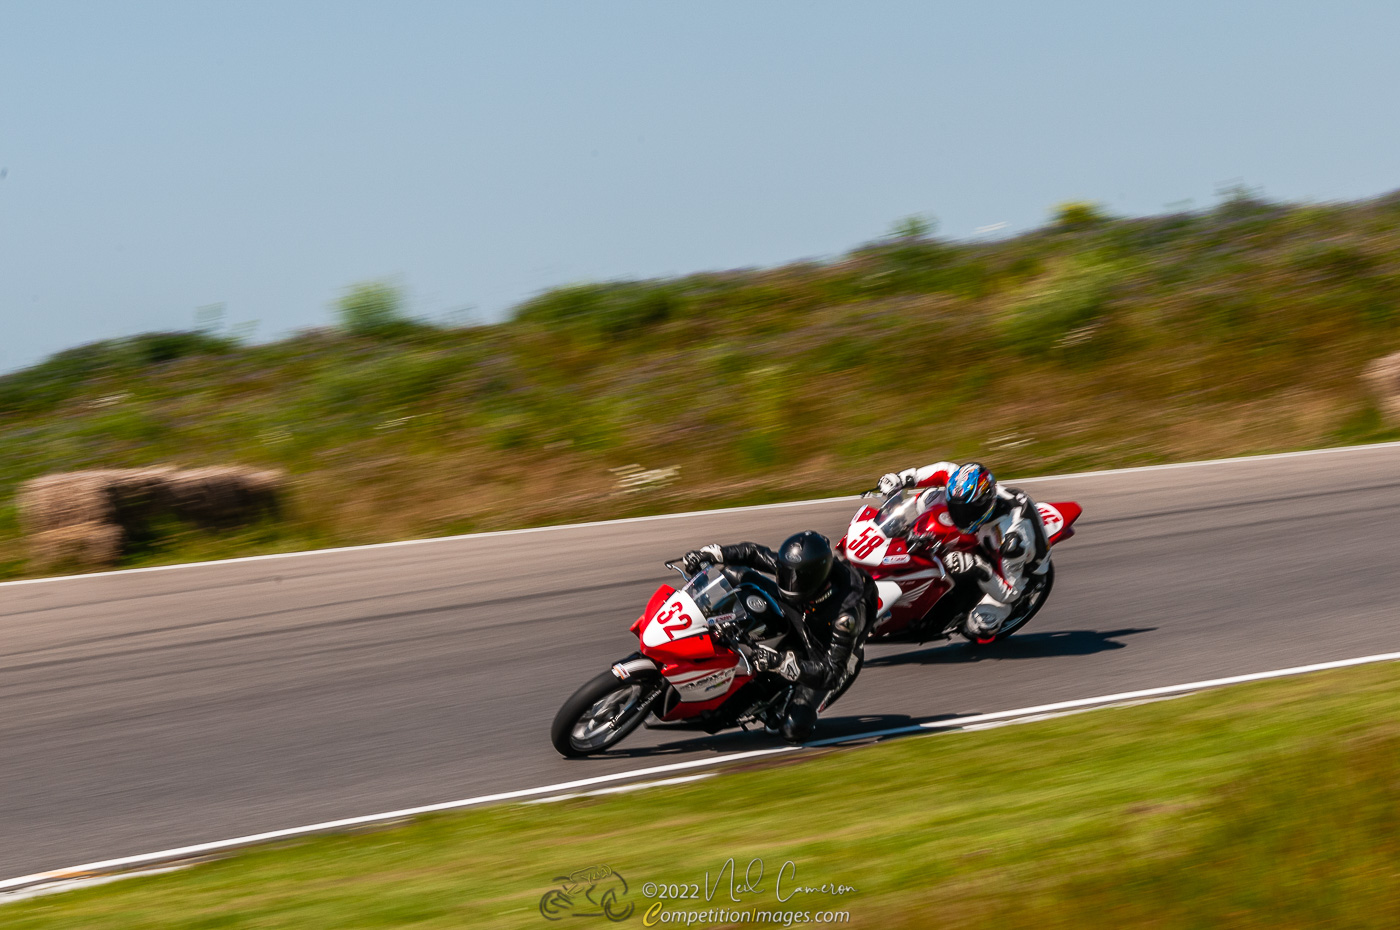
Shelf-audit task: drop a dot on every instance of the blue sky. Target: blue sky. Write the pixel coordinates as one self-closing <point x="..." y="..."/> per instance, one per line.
<point x="160" y="157"/>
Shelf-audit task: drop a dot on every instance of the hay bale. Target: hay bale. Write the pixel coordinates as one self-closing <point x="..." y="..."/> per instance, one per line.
<point x="84" y="517"/>
<point x="82" y="546"/>
<point x="139" y="493"/>
<point x="1383" y="375"/>
<point x="72" y="499"/>
<point x="224" y="495"/>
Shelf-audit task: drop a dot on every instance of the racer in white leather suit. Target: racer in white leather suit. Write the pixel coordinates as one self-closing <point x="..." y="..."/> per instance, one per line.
<point x="1011" y="545"/>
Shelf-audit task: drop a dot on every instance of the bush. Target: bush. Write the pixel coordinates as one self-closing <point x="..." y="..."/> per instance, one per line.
<point x="1338" y="259"/>
<point x="1057" y="309"/>
<point x="912" y="227"/>
<point x="64" y="375"/>
<point x="386" y="383"/>
<point x="374" y="309"/>
<point x="606" y="309"/>
<point x="1079" y="214"/>
<point x="1238" y="202"/>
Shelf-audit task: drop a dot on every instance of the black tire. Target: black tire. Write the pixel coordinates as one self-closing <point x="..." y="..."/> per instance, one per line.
<point x="1027" y="609"/>
<point x="616" y="706"/>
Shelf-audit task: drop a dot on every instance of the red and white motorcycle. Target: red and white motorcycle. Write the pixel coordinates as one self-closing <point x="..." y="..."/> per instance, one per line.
<point x="901" y="544"/>
<point x="695" y="663"/>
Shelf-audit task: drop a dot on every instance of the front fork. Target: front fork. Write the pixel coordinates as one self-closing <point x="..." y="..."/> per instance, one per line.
<point x="648" y="699"/>
<point x="637" y="663"/>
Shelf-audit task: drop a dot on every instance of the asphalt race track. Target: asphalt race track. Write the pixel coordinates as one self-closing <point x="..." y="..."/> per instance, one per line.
<point x="148" y="710"/>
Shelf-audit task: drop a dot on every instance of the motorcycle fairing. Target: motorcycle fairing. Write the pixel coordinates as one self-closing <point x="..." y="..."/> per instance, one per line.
<point x="1058" y="519"/>
<point x="678" y="617"/>
<point x="662" y="595"/>
<point x="908" y="590"/>
<point x="675" y="635"/>
<point x="865" y="545"/>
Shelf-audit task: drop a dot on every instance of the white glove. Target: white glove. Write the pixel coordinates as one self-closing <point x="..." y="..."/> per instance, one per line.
<point x="891" y="482"/>
<point x="694" y="557"/>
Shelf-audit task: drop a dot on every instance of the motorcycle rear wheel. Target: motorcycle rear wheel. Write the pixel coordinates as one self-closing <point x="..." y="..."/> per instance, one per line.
<point x="1028" y="607"/>
<point x="601" y="714"/>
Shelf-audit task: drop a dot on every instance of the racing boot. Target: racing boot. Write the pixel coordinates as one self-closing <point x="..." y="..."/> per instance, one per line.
<point x="800" y="722"/>
<point x="984" y="621"/>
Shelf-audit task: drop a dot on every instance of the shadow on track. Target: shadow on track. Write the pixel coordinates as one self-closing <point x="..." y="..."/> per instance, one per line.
<point x="740" y="741"/>
<point x="1027" y="646"/>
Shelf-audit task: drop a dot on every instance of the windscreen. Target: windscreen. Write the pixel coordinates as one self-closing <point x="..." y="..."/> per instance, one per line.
<point x="898" y="513"/>
<point x="709" y="589"/>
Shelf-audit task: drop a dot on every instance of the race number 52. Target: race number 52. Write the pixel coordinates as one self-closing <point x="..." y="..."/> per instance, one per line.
<point x="673" y="619"/>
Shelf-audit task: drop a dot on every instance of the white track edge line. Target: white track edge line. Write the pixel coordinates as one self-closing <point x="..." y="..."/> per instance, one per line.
<point x="77" y="884"/>
<point x="623" y="789"/>
<point x="427" y="539"/>
<point x="1271" y="456"/>
<point x="957" y="722"/>
<point x="182" y="852"/>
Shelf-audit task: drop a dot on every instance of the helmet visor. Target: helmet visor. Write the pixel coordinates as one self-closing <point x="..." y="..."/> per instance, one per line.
<point x="803" y="579"/>
<point x="969" y="515"/>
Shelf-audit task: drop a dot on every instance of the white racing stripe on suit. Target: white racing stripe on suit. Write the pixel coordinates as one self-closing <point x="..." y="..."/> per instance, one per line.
<point x="930" y="476"/>
<point x="1009" y="576"/>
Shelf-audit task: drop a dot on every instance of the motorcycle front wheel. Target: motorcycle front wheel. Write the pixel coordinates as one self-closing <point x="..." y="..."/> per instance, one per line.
<point x="602" y="713"/>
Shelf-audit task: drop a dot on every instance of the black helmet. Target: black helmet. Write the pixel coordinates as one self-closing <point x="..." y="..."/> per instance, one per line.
<point x="972" y="493"/>
<point x="804" y="561"/>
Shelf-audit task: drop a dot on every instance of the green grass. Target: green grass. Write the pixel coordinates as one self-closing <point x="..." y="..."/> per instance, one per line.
<point x="1266" y="805"/>
<point x="1093" y="342"/>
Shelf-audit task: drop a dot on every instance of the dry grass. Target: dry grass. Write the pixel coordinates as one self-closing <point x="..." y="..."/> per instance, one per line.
<point x="1240" y="330"/>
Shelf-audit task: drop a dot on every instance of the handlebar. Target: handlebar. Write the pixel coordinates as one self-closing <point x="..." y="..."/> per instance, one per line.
<point x="727" y="634"/>
<point x="930" y="541"/>
<point x="676" y="565"/>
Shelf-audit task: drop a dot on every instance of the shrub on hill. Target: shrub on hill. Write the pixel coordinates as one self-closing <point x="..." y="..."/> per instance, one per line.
<point x="61" y="376"/>
<point x="374" y="309"/>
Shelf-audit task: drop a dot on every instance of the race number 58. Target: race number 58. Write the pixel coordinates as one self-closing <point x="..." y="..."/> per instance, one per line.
<point x="867" y="542"/>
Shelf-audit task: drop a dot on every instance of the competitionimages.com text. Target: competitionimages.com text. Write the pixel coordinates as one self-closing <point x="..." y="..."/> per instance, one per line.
<point x="658" y="915"/>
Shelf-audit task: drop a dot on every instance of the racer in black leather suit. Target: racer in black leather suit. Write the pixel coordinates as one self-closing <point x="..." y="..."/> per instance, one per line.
<point x="831" y="604"/>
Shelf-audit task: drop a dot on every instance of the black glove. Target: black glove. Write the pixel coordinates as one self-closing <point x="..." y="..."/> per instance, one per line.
<point x="765" y="659"/>
<point x="958" y="563"/>
<point x="789" y="667"/>
<point x="695" y="557"/>
<point x="967" y="563"/>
